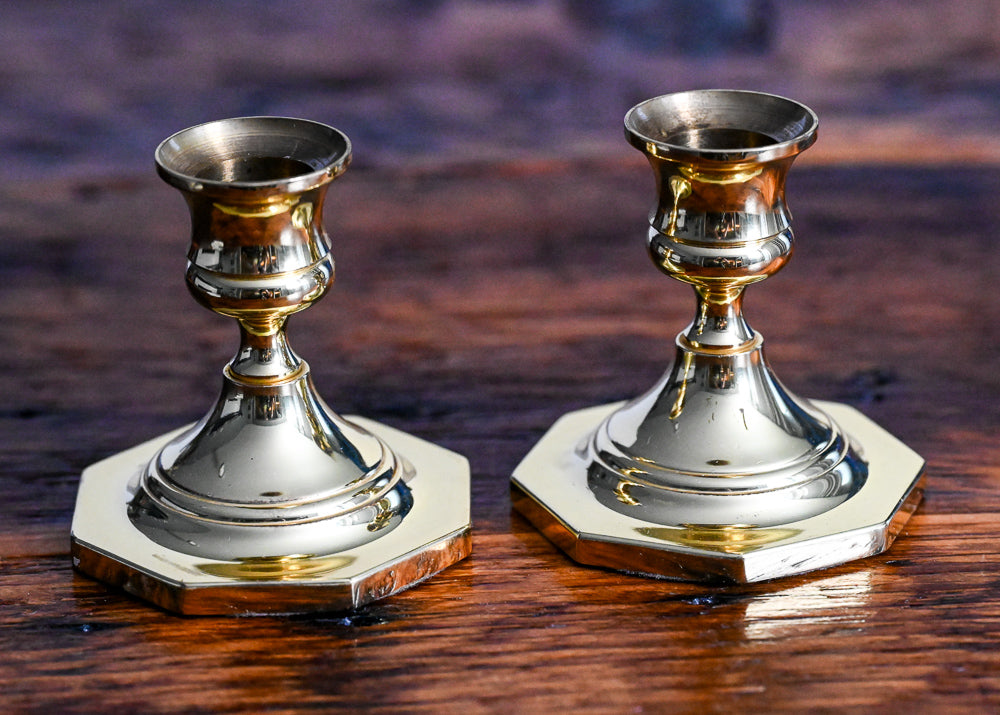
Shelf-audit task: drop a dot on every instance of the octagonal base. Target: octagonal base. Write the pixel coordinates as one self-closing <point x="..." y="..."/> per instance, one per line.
<point x="433" y="535"/>
<point x="549" y="487"/>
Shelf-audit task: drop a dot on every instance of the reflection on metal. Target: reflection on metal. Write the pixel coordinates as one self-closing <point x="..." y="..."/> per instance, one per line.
<point x="727" y="539"/>
<point x="203" y="521"/>
<point x="622" y="492"/>
<point x="728" y="474"/>
<point x="276" y="568"/>
<point x="681" y="189"/>
<point x="678" y="407"/>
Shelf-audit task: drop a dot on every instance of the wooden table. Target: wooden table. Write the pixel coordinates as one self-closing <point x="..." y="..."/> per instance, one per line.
<point x="473" y="306"/>
<point x="492" y="276"/>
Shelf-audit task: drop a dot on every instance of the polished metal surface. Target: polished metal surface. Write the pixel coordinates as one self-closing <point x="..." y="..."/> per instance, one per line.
<point x="109" y="545"/>
<point x="551" y="488"/>
<point x="270" y="475"/>
<point x="718" y="449"/>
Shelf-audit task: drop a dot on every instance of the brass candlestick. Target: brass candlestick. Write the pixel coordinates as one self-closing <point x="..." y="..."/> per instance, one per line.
<point x="718" y="472"/>
<point x="272" y="502"/>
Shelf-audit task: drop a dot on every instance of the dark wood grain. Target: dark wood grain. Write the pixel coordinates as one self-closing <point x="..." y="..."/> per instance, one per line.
<point x="491" y="277"/>
<point x="473" y="307"/>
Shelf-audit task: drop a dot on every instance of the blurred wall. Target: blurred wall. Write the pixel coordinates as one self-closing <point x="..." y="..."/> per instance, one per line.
<point x="93" y="86"/>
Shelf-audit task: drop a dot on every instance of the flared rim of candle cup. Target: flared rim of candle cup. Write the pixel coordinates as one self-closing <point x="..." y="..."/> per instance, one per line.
<point x="253" y="154"/>
<point x="722" y="125"/>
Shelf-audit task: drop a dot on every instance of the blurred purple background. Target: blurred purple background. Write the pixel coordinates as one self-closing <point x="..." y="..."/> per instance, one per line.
<point x="94" y="86"/>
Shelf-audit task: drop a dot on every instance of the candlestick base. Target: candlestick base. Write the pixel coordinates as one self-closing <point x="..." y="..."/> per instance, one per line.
<point x="550" y="487"/>
<point x="435" y="533"/>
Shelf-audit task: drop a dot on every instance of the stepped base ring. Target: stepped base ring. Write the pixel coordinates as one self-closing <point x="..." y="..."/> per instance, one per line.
<point x="434" y="535"/>
<point x="550" y="488"/>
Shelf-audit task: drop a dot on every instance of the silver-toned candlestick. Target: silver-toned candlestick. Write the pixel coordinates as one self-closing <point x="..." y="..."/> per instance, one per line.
<point x="718" y="471"/>
<point x="272" y="502"/>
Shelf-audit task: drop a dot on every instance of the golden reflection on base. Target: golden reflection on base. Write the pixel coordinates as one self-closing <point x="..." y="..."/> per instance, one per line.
<point x="276" y="568"/>
<point x="735" y="539"/>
